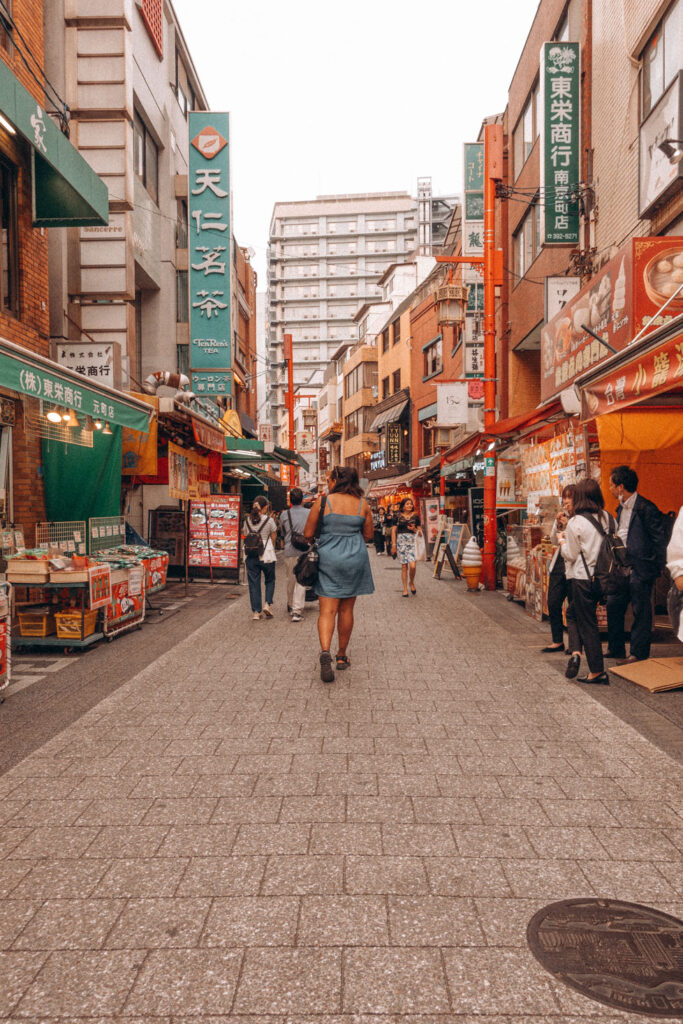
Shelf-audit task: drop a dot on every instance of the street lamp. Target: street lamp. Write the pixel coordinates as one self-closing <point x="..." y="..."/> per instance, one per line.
<point x="672" y="150"/>
<point x="450" y="304"/>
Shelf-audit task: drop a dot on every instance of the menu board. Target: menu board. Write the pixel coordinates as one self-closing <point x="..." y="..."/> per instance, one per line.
<point x="551" y="465"/>
<point x="215" y="531"/>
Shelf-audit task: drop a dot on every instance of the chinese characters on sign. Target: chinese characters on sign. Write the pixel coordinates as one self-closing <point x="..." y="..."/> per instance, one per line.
<point x="473" y="214"/>
<point x="560" y="142"/>
<point x="393" y="431"/>
<point x="215" y="531"/>
<point x="188" y="474"/>
<point x="559" y="290"/>
<point x="210" y="243"/>
<point x="648" y="375"/>
<point x="93" y="361"/>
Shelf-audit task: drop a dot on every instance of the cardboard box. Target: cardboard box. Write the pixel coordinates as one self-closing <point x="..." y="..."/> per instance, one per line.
<point x="655" y="675"/>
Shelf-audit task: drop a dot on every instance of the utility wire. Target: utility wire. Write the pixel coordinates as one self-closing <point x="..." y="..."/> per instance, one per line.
<point x="63" y="112"/>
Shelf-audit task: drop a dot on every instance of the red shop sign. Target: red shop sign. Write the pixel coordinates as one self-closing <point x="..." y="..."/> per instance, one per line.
<point x="651" y="374"/>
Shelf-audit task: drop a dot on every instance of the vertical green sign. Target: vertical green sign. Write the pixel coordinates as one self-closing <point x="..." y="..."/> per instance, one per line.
<point x="560" y="142"/>
<point x="210" y="246"/>
<point x="473" y="212"/>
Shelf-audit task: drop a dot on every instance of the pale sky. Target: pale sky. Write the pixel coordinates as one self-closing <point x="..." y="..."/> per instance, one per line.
<point x="362" y="96"/>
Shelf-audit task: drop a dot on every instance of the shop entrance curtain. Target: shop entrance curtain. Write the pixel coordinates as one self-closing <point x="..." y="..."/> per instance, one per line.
<point x="81" y="483"/>
<point x="651" y="442"/>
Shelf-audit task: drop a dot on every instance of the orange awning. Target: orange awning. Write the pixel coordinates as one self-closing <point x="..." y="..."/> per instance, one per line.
<point x="651" y="442"/>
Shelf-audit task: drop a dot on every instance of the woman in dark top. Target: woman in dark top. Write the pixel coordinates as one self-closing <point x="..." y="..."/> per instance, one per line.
<point x="378" y="517"/>
<point x="404" y="542"/>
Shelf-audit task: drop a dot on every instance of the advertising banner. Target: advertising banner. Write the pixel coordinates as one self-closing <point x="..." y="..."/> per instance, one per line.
<point x="473" y="200"/>
<point x="648" y="375"/>
<point x="139" y="455"/>
<point x="215" y="531"/>
<point x="99" y="586"/>
<point x="210" y="240"/>
<point x="551" y="465"/>
<point x="560" y="142"/>
<point x="188" y="473"/>
<point x="451" y="404"/>
<point x="393" y="443"/>
<point x="625" y="296"/>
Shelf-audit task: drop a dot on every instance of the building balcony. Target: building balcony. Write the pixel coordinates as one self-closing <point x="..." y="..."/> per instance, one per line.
<point x="360" y="444"/>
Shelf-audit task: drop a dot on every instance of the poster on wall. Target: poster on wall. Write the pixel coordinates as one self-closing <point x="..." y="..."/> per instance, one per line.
<point x="188" y="473"/>
<point x="215" y="532"/>
<point x="99" y="586"/>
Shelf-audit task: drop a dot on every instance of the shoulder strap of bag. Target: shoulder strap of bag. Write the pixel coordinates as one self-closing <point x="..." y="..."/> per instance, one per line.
<point x="318" y="529"/>
<point x="260" y="527"/>
<point x="289" y="517"/>
<point x="596" y="523"/>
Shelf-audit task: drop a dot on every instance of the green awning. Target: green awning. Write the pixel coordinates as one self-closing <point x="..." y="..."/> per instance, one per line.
<point x="34" y="375"/>
<point x="66" y="190"/>
<point x="291" y="458"/>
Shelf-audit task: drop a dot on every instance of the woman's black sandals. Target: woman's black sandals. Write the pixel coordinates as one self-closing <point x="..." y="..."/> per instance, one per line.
<point x="326" y="673"/>
<point x="342" y="662"/>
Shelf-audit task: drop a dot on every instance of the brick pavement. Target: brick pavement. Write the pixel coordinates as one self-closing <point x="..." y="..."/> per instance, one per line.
<point x="226" y="836"/>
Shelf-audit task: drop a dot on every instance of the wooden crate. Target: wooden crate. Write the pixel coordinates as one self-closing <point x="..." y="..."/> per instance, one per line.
<point x="69" y="624"/>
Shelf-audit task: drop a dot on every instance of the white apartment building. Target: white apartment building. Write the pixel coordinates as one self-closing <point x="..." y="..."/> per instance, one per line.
<point x="324" y="260"/>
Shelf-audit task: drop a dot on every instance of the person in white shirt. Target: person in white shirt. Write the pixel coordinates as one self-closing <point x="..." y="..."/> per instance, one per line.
<point x="558" y="584"/>
<point x="580" y="546"/>
<point x="674" y="563"/>
<point x="259" y="522"/>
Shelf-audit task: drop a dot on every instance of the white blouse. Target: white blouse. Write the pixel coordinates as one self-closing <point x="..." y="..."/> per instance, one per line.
<point x="674" y="552"/>
<point x="581" y="537"/>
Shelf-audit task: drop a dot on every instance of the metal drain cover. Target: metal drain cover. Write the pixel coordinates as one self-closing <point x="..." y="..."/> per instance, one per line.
<point x="621" y="954"/>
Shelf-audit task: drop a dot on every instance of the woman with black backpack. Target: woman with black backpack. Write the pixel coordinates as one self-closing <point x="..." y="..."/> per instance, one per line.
<point x="259" y="533"/>
<point x="580" y="547"/>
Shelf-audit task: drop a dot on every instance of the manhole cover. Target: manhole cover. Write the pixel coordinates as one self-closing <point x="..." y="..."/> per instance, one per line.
<point x="620" y="954"/>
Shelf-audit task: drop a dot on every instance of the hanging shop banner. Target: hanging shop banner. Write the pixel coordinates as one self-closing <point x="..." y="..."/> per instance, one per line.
<point x="451" y="404"/>
<point x="559" y="290"/>
<point x="99" y="585"/>
<point x="393" y="443"/>
<point x="560" y="142"/>
<point x="215" y="531"/>
<point x="473" y="200"/>
<point x="139" y="454"/>
<point x="31" y="378"/>
<point x="208" y="437"/>
<point x="210" y="243"/>
<point x="188" y="473"/>
<point x="651" y="374"/>
<point x="622" y="299"/>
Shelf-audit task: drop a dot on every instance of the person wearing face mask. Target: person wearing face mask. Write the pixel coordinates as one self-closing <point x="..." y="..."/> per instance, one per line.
<point x="558" y="585"/>
<point x="640" y="525"/>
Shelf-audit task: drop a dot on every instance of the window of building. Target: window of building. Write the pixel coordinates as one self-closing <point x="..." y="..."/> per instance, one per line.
<point x="662" y="57"/>
<point x="146" y="157"/>
<point x="182" y="297"/>
<point x="527" y="241"/>
<point x="427" y="442"/>
<point x="183" y="359"/>
<point x="385" y="387"/>
<point x="396" y="379"/>
<point x="432" y="358"/>
<point x="181" y="224"/>
<point x="353" y="423"/>
<point x="183" y="89"/>
<point x="527" y="131"/>
<point x="385" y="340"/>
<point x="397" y="330"/>
<point x="362" y="376"/>
<point x="9" y="262"/>
<point x="5" y="26"/>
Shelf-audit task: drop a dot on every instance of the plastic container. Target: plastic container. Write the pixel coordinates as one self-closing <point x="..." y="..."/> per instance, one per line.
<point x="69" y="624"/>
<point x="37" y="622"/>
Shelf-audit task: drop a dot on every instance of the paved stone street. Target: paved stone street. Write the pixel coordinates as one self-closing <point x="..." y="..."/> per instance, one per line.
<point x="224" y="835"/>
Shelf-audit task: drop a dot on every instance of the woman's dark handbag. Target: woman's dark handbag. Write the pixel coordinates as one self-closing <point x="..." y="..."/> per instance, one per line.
<point x="311" y="595"/>
<point x="297" y="539"/>
<point x="306" y="568"/>
<point x="675" y="607"/>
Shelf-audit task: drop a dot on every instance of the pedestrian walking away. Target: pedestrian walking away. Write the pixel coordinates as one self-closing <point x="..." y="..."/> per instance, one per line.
<point x="404" y="543"/>
<point x="558" y="584"/>
<point x="259" y="532"/>
<point x="292" y="525"/>
<point x="344" y="566"/>
<point x="640" y="525"/>
<point x="580" y="546"/>
<point x="378" y="517"/>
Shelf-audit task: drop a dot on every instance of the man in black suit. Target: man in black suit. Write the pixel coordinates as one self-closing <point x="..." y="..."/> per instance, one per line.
<point x="641" y="527"/>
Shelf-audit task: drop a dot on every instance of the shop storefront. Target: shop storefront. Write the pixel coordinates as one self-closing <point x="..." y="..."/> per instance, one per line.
<point x="392" y="422"/>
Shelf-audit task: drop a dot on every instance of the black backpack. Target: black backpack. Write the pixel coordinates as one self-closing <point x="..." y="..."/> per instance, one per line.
<point x="253" y="542"/>
<point x="612" y="571"/>
<point x="297" y="539"/>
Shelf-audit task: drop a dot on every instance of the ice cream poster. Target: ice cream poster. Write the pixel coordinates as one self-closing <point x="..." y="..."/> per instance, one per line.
<point x="604" y="306"/>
